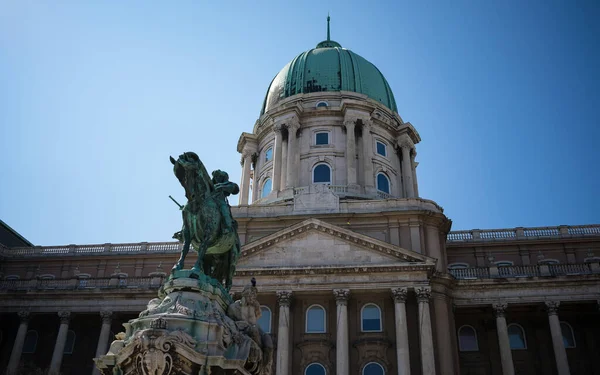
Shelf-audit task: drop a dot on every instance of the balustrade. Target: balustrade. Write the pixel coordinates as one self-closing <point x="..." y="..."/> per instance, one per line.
<point x="87" y="283"/>
<point x="520" y="271"/>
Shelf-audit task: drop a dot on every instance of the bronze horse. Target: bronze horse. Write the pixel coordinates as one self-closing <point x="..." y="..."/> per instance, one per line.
<point x="217" y="249"/>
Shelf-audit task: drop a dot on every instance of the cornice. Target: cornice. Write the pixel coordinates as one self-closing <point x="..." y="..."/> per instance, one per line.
<point x="332" y="270"/>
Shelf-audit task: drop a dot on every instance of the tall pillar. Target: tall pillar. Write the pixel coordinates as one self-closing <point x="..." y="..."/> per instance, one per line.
<point x="104" y="336"/>
<point x="503" y="342"/>
<point x="369" y="178"/>
<point x="560" y="354"/>
<point x="61" y="339"/>
<point x="292" y="161"/>
<point x="427" y="353"/>
<point x="414" y="165"/>
<point x="284" y="156"/>
<point x="402" y="348"/>
<point x="342" y="359"/>
<point x="350" y="152"/>
<point x="406" y="145"/>
<point x="15" y="355"/>
<point x="283" y="333"/>
<point x="276" y="181"/>
<point x="434" y="250"/>
<point x="444" y="339"/>
<point x="245" y="186"/>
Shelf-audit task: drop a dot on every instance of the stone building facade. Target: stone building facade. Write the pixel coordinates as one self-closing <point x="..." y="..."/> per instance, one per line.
<point x="357" y="273"/>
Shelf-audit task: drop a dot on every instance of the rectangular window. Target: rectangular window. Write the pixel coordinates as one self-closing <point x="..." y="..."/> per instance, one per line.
<point x="322" y="138"/>
<point x="381" y="149"/>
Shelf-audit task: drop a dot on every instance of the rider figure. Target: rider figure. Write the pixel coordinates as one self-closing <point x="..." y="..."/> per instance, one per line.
<point x="224" y="188"/>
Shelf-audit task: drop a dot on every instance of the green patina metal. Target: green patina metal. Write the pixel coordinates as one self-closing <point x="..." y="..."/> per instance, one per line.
<point x="329" y="67"/>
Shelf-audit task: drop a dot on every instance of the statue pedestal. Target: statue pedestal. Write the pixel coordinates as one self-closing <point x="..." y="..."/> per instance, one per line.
<point x="185" y="331"/>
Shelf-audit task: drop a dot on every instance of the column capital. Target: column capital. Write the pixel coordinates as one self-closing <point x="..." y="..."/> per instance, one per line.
<point x="341" y="296"/>
<point x="247" y="153"/>
<point x="24" y="316"/>
<point x="552" y="307"/>
<point x="65" y="317"/>
<point x="405" y="142"/>
<point x="277" y="128"/>
<point x="106" y="316"/>
<point x="399" y="294"/>
<point x="423" y="293"/>
<point x="350" y="121"/>
<point x="293" y="124"/>
<point x="284" y="297"/>
<point x="499" y="309"/>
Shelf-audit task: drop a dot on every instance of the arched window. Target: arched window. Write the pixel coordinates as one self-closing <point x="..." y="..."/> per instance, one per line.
<point x="315" y="369"/>
<point x="322" y="104"/>
<point x="70" y="343"/>
<point x="264" y="322"/>
<point x="322" y="174"/>
<point x="370" y="318"/>
<point x="383" y="184"/>
<point x="516" y="337"/>
<point x="503" y="263"/>
<point x="467" y="339"/>
<point x="458" y="266"/>
<point x="567" y="334"/>
<point x="266" y="188"/>
<point x="373" y="368"/>
<point x="269" y="154"/>
<point x="549" y="261"/>
<point x="315" y="319"/>
<point x="30" y="343"/>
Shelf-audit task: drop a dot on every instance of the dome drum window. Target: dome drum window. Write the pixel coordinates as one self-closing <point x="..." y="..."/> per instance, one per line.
<point x="381" y="148"/>
<point x="321" y="174"/>
<point x="383" y="183"/>
<point x="266" y="188"/>
<point x="322" y="138"/>
<point x="322" y="104"/>
<point x="269" y="154"/>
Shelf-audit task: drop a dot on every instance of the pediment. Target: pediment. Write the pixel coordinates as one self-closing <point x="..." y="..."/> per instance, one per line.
<point x="314" y="243"/>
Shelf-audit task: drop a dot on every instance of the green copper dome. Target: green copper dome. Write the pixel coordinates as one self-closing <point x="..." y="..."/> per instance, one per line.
<point x="329" y="67"/>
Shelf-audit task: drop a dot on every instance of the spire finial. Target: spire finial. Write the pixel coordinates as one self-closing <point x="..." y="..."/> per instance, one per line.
<point x="328" y="18"/>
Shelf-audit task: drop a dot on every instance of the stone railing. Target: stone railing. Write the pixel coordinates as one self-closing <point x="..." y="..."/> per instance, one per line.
<point x="563" y="231"/>
<point x="82" y="283"/>
<point x="105" y="249"/>
<point x="539" y="270"/>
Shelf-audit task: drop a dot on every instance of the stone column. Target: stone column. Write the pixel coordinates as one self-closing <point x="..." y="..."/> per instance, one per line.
<point x="414" y="165"/>
<point x="560" y="354"/>
<point x="292" y="164"/>
<point x="61" y="338"/>
<point x="342" y="359"/>
<point x="444" y="338"/>
<point x="283" y="333"/>
<point x="427" y="354"/>
<point x="406" y="145"/>
<point x="104" y="336"/>
<point x="369" y="178"/>
<point x="350" y="152"/>
<point x="284" y="155"/>
<point x="276" y="176"/>
<point x="245" y="186"/>
<point x="402" y="348"/>
<point x="15" y="355"/>
<point x="503" y="342"/>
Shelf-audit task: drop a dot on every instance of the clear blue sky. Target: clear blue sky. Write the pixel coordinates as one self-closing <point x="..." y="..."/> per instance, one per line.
<point x="95" y="96"/>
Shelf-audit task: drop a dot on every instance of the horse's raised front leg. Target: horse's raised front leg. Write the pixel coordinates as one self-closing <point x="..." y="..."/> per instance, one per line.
<point x="186" y="247"/>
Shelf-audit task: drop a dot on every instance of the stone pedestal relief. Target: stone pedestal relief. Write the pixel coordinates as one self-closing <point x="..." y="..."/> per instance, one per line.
<point x="427" y="352"/>
<point x="560" y="354"/>
<point x="61" y="339"/>
<point x="503" y="342"/>
<point x="402" y="347"/>
<point x="15" y="355"/>
<point x="283" y="332"/>
<point x="342" y="360"/>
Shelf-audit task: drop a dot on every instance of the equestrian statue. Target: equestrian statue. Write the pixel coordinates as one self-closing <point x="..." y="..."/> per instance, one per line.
<point x="208" y="226"/>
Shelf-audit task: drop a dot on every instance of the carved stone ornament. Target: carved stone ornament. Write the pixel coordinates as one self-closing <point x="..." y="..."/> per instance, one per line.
<point x="400" y="294"/>
<point x="106" y="316"/>
<point x="293" y="124"/>
<point x="552" y="307"/>
<point x="423" y="294"/>
<point x="341" y="296"/>
<point x="24" y="316"/>
<point x="404" y="141"/>
<point x="350" y="123"/>
<point x="499" y="309"/>
<point x="284" y="298"/>
<point x="65" y="317"/>
<point x="277" y="128"/>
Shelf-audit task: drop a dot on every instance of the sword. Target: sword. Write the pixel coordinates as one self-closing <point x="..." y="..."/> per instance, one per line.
<point x="177" y="203"/>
